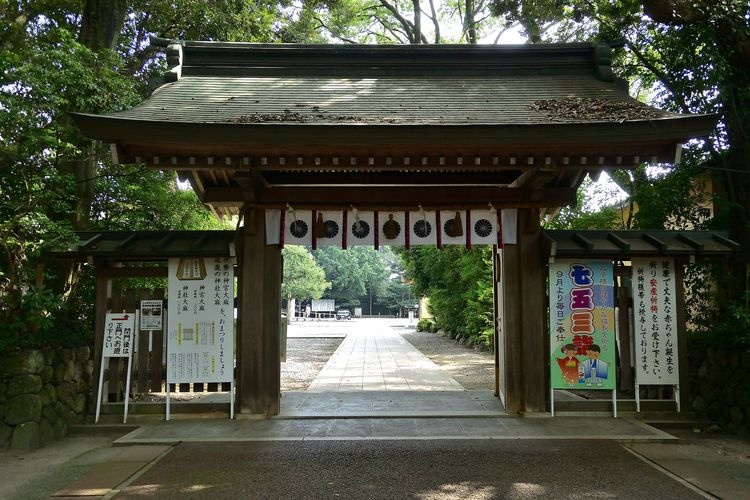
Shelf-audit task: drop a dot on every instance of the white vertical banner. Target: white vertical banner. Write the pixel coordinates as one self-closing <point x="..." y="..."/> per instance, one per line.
<point x="510" y="226"/>
<point x="273" y="223"/>
<point x="423" y="228"/>
<point x="483" y="227"/>
<point x="392" y="228"/>
<point x="332" y="230"/>
<point x="453" y="227"/>
<point x="655" y="321"/>
<point x="200" y="337"/>
<point x="298" y="227"/>
<point x="361" y="227"/>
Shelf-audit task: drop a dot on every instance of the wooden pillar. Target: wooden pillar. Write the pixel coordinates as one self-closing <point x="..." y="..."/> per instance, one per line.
<point x="625" y="380"/>
<point x="498" y="339"/>
<point x="103" y="294"/>
<point x="524" y="318"/>
<point x="258" y="344"/>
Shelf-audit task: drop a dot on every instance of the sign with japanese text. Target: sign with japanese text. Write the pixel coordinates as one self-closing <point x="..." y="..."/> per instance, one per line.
<point x="655" y="322"/>
<point x="200" y="338"/>
<point x="118" y="334"/>
<point x="582" y="322"/>
<point x="152" y="314"/>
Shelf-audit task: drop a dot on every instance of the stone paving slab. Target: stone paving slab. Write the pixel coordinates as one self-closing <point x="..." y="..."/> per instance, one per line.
<point x="390" y="404"/>
<point x="680" y="462"/>
<point x="374" y="357"/>
<point x="278" y="429"/>
<point x="105" y="476"/>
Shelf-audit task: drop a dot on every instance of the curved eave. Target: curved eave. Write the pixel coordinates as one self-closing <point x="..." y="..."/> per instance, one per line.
<point x="117" y="130"/>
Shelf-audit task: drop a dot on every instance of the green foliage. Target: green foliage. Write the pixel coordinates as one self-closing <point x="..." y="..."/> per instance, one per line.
<point x="303" y="277"/>
<point x="357" y="274"/>
<point x="52" y="181"/>
<point x="459" y="284"/>
<point x="582" y="216"/>
<point x="424" y="325"/>
<point x="714" y="319"/>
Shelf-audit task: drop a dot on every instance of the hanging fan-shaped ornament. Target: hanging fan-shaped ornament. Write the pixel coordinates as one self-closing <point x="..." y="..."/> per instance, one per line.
<point x="422" y="228"/>
<point x="331" y="228"/>
<point x="391" y="228"/>
<point x="483" y="228"/>
<point x="454" y="227"/>
<point x="298" y="228"/>
<point x="360" y="229"/>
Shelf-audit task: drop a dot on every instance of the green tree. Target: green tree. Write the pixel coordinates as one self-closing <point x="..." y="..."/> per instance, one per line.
<point x="303" y="277"/>
<point x="87" y="56"/>
<point x="686" y="57"/>
<point x="459" y="284"/>
<point x="357" y="274"/>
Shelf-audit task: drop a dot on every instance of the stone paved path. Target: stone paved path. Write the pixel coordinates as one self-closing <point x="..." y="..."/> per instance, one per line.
<point x="374" y="357"/>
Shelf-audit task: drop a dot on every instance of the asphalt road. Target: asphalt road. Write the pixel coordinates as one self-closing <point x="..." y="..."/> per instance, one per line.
<point x="460" y="469"/>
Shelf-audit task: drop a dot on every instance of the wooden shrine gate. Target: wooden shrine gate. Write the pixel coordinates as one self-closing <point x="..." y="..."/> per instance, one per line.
<point x="258" y="127"/>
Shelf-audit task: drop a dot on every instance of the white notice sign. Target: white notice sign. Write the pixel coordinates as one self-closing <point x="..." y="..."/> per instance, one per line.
<point x="118" y="334"/>
<point x="200" y="340"/>
<point x="151" y="314"/>
<point x="655" y="322"/>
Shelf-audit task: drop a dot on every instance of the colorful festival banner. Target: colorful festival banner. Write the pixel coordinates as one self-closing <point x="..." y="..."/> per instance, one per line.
<point x="200" y="336"/>
<point x="582" y="322"/>
<point x="655" y="322"/>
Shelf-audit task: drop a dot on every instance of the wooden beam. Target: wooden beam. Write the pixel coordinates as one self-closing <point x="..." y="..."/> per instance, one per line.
<point x="410" y="195"/>
<point x="392" y="178"/>
<point x="392" y="197"/>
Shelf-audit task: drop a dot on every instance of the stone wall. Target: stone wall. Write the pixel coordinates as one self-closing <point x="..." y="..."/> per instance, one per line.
<point x="41" y="394"/>
<point x="721" y="387"/>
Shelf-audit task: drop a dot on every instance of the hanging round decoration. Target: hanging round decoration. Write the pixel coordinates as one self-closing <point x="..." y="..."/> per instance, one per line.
<point x="422" y="228"/>
<point x="483" y="228"/>
<point x="391" y="228"/>
<point x="360" y="229"/>
<point x="298" y="228"/>
<point x="331" y="228"/>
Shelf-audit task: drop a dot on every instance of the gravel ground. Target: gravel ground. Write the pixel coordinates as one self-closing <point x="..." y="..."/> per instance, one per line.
<point x="473" y="369"/>
<point x="305" y="357"/>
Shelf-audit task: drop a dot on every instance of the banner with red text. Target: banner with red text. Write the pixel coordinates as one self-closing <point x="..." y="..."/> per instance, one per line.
<point x="655" y="321"/>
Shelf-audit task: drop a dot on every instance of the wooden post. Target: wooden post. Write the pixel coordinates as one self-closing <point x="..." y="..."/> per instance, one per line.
<point x="625" y="380"/>
<point x="141" y="360"/>
<point x="524" y="318"/>
<point x="157" y="375"/>
<point x="103" y="294"/>
<point x="259" y="375"/>
<point x="497" y="338"/>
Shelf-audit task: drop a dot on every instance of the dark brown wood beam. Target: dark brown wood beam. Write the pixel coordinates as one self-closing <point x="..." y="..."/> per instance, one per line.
<point x="411" y="195"/>
<point x="392" y="196"/>
<point x="391" y="178"/>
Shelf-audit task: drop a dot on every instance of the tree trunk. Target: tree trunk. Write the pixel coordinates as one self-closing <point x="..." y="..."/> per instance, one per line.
<point x="101" y="23"/>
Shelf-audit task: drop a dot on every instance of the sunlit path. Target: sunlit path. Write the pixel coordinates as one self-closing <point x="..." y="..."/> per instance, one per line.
<point x="374" y="357"/>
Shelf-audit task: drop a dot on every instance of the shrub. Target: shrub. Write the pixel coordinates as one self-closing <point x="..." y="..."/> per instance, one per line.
<point x="424" y="325"/>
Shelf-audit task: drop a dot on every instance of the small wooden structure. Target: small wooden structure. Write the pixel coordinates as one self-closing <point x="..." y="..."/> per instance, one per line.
<point x="256" y="127"/>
